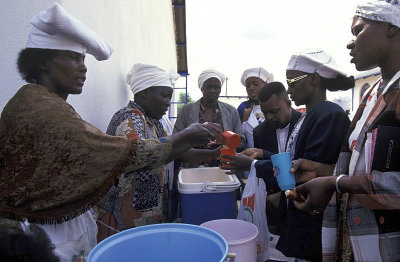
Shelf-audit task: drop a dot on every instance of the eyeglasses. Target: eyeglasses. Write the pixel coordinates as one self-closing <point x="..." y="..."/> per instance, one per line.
<point x="293" y="80"/>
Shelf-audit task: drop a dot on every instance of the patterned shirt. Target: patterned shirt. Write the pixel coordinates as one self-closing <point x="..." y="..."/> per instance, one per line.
<point x="139" y="198"/>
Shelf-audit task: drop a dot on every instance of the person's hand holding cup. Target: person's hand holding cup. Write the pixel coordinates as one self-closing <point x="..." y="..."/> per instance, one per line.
<point x="282" y="163"/>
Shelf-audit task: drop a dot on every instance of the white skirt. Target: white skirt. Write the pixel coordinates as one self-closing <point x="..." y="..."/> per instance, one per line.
<point x="72" y="239"/>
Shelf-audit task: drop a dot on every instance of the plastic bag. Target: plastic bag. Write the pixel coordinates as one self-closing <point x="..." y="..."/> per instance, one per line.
<point x="252" y="209"/>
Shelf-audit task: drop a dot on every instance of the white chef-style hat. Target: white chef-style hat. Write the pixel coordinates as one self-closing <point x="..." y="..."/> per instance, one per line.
<point x="143" y="76"/>
<point x="315" y="61"/>
<point x="259" y="72"/>
<point x="210" y="73"/>
<point x="54" y="28"/>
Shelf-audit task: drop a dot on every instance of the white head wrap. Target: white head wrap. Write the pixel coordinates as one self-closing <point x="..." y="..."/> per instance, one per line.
<point x="210" y="73"/>
<point x="387" y="11"/>
<point x="143" y="76"/>
<point x="315" y="61"/>
<point x="259" y="72"/>
<point x="54" y="28"/>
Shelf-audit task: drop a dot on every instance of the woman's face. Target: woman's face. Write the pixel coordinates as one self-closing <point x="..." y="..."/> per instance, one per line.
<point x="211" y="90"/>
<point x="66" y="73"/>
<point x="301" y="90"/>
<point x="157" y="101"/>
<point x="367" y="46"/>
<point x="253" y="86"/>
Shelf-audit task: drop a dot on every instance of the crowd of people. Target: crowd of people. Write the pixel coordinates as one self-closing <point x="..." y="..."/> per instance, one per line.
<point x="65" y="185"/>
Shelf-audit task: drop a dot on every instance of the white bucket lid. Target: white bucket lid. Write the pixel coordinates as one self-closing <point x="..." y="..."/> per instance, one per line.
<point x="206" y="180"/>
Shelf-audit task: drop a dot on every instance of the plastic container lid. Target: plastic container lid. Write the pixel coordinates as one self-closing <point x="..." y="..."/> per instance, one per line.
<point x="206" y="180"/>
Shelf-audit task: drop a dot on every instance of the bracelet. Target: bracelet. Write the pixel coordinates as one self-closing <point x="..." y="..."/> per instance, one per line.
<point x="337" y="183"/>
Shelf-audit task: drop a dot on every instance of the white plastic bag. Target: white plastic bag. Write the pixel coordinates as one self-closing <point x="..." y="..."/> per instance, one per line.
<point x="252" y="209"/>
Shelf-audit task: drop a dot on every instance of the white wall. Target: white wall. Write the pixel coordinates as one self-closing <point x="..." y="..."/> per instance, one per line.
<point x="139" y="31"/>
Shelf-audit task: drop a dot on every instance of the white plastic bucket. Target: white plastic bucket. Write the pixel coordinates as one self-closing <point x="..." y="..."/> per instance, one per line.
<point x="240" y="235"/>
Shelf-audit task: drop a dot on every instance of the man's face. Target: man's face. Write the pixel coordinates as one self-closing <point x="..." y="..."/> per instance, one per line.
<point x="211" y="90"/>
<point x="253" y="87"/>
<point x="277" y="111"/>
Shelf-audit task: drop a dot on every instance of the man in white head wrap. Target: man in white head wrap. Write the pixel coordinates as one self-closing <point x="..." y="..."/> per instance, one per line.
<point x="249" y="111"/>
<point x="210" y="109"/>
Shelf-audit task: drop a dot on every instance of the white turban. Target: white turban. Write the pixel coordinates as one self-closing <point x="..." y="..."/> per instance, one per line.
<point x="259" y="72"/>
<point x="315" y="61"/>
<point x="54" y="28"/>
<point x="210" y="73"/>
<point x="143" y="76"/>
<point x="387" y="11"/>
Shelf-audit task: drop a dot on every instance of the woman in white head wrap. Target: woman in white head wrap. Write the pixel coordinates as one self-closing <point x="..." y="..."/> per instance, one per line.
<point x="140" y="198"/>
<point x="210" y="109"/>
<point x="250" y="111"/>
<point x="367" y="225"/>
<point x="53" y="165"/>
<point x="141" y="201"/>
<point x="317" y="136"/>
<point x="160" y="84"/>
<point x="253" y="79"/>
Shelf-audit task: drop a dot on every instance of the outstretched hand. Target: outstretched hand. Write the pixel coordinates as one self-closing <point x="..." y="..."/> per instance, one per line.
<point x="202" y="134"/>
<point x="305" y="170"/>
<point x="314" y="195"/>
<point x="254" y="153"/>
<point x="216" y="130"/>
<point x="236" y="163"/>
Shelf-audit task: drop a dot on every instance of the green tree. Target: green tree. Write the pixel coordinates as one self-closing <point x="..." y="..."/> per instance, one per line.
<point x="183" y="101"/>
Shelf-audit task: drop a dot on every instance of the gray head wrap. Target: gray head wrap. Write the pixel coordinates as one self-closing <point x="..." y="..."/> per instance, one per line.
<point x="387" y="11"/>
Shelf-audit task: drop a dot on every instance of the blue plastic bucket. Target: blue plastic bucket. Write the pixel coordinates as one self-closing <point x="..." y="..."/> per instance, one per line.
<point x="162" y="242"/>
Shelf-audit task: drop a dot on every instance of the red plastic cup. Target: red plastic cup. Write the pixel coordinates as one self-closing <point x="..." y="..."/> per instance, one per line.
<point x="229" y="152"/>
<point x="230" y="139"/>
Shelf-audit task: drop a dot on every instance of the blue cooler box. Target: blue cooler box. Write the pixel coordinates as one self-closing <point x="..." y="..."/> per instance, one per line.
<point x="206" y="194"/>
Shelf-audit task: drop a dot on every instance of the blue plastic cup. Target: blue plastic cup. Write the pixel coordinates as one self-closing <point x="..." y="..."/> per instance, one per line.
<point x="282" y="163"/>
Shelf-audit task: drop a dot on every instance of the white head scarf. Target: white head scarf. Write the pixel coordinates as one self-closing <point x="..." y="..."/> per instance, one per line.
<point x="387" y="11"/>
<point x="315" y="61"/>
<point x="143" y="76"/>
<point x="210" y="73"/>
<point x="259" y="72"/>
<point x="54" y="28"/>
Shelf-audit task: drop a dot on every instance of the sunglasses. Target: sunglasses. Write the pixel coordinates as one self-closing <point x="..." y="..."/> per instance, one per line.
<point x="293" y="80"/>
